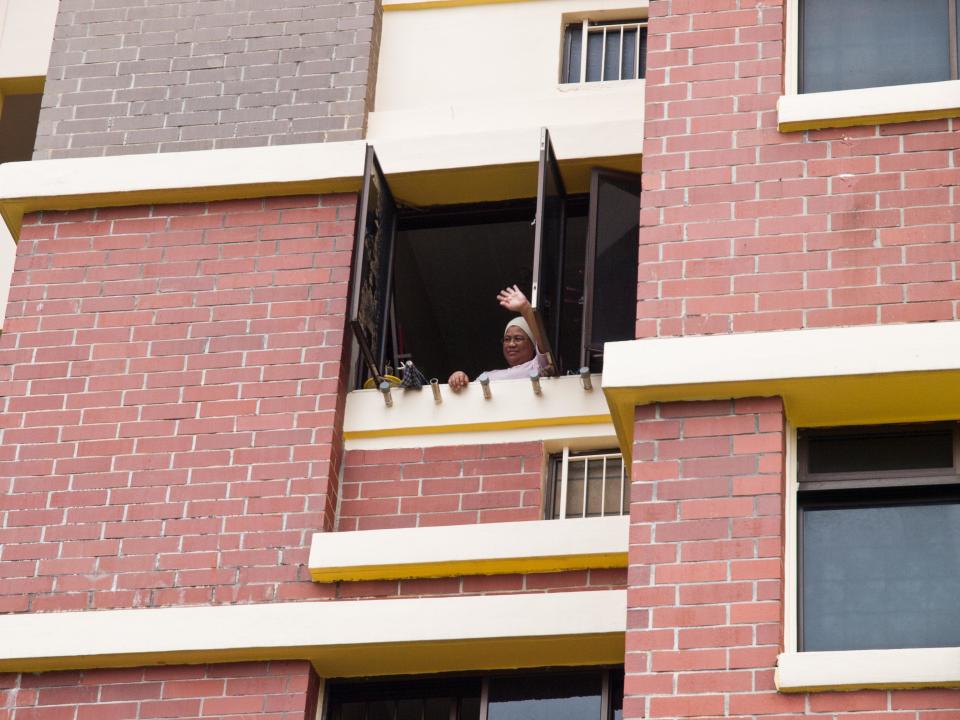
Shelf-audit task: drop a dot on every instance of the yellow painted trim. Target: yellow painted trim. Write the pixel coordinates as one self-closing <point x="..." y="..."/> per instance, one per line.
<point x="870" y="686"/>
<point x="811" y="402"/>
<point x="478" y="427"/>
<point x="456" y="568"/>
<point x="914" y="116"/>
<point x="373" y="658"/>
<point x="32" y="85"/>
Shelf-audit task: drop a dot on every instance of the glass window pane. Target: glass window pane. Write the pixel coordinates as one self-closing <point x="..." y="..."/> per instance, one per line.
<point x="629" y="60"/>
<point x="576" y="476"/>
<point x="381" y="710"/>
<point x="643" y="52"/>
<point x="558" y="696"/>
<point x="594" y="487"/>
<point x="616" y="694"/>
<point x="437" y="708"/>
<point x="615" y="268"/>
<point x="348" y="711"/>
<point x="469" y="708"/>
<point x="881" y="577"/>
<point x="594" y="56"/>
<point x="611" y="56"/>
<point x="571" y="53"/>
<point x="872" y="43"/>
<point x="919" y="449"/>
<point x="613" y="498"/>
<point x="410" y="710"/>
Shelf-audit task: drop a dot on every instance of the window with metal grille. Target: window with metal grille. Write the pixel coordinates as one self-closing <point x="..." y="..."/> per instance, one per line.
<point x="593" y="484"/>
<point x="599" y="51"/>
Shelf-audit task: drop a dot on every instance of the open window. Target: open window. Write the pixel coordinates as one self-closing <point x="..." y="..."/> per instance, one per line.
<point x="426" y="278"/>
<point x="19" y="117"/>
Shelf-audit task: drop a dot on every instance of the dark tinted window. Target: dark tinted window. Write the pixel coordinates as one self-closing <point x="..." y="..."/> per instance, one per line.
<point x="886" y="576"/>
<point x="881" y="451"/>
<point x="19" y="116"/>
<point x="557" y="696"/>
<point x="871" y="43"/>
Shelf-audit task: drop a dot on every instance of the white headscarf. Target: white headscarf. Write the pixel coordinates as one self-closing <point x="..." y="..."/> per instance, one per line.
<point x="519" y="322"/>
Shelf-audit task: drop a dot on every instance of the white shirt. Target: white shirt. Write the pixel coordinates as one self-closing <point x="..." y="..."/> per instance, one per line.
<point x="520" y="371"/>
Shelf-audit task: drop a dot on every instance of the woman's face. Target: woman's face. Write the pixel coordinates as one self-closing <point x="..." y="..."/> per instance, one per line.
<point x="517" y="347"/>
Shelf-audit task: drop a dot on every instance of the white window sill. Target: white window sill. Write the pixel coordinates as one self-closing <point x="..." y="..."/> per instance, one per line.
<point x="869" y="106"/>
<point x="859" y="669"/>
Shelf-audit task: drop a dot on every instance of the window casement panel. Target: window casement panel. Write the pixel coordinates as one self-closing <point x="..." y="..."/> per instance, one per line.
<point x="370" y="296"/>
<point x="610" y="266"/>
<point x="550" y="223"/>
<point x="876" y="43"/>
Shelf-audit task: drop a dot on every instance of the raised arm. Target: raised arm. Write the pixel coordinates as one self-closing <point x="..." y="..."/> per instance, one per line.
<point x="513" y="299"/>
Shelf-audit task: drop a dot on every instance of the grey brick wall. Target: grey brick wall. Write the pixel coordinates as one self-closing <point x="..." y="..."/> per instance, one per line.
<point x="145" y="76"/>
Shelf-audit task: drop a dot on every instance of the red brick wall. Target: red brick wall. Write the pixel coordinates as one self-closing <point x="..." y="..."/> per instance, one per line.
<point x="170" y="400"/>
<point x="706" y="573"/>
<point x="458" y="485"/>
<point x="455" y="485"/>
<point x="745" y="228"/>
<point x="260" y="691"/>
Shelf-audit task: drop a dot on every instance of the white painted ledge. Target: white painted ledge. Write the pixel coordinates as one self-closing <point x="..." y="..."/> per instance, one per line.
<point x="513" y="405"/>
<point x="858" y="669"/>
<point x="341" y="638"/>
<point x="493" y="548"/>
<point x="178" y="177"/>
<point x="868" y="106"/>
<point x="826" y="377"/>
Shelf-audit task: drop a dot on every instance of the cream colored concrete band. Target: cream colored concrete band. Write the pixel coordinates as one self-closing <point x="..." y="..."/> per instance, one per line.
<point x="868" y="106"/>
<point x="486" y="549"/>
<point x="513" y="405"/>
<point x="426" y="170"/>
<point x="194" y="176"/>
<point x="826" y="377"/>
<point x="856" y="669"/>
<point x="26" y="34"/>
<point x="341" y="638"/>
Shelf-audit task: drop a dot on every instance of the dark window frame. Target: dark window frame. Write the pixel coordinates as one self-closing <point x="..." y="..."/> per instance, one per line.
<point x="405" y="686"/>
<point x="953" y="48"/>
<point x="371" y="332"/>
<point x="845" y="490"/>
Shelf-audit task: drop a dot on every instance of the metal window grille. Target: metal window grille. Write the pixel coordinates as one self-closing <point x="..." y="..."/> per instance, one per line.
<point x="589" y="485"/>
<point x="604" y="51"/>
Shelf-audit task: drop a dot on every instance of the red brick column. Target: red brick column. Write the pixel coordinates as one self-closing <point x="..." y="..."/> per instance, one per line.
<point x="705" y="586"/>
<point x="258" y="691"/>
<point x="171" y="394"/>
<point x="706" y="582"/>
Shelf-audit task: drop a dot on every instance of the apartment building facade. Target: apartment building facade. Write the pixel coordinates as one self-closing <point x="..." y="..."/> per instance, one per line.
<point x="736" y="497"/>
